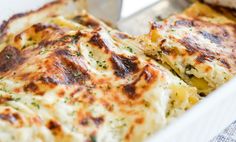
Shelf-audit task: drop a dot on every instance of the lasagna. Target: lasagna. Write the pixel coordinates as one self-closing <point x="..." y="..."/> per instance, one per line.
<point x="198" y="45"/>
<point x="66" y="76"/>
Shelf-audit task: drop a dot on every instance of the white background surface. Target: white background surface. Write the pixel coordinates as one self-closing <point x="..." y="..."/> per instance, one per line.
<point x="10" y="7"/>
<point x="131" y="6"/>
<point x="199" y="124"/>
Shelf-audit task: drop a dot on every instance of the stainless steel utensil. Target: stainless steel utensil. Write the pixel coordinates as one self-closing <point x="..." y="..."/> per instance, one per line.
<point x="137" y="22"/>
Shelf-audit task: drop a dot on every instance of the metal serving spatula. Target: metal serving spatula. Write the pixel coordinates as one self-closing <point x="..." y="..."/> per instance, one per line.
<point x="133" y="16"/>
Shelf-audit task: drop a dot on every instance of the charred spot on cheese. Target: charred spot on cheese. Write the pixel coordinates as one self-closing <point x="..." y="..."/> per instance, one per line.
<point x="148" y="74"/>
<point x="98" y="41"/>
<point x="97" y="120"/>
<point x="54" y="126"/>
<point x="122" y="35"/>
<point x="70" y="38"/>
<point x="202" y="58"/>
<point x="65" y="69"/>
<point x="84" y="121"/>
<point x="166" y="51"/>
<point x="213" y="38"/>
<point x="184" y="22"/>
<point x="10" y="58"/>
<point x="12" y="118"/>
<point x="40" y="27"/>
<point x="124" y="65"/>
<point x="156" y="25"/>
<point x="87" y="21"/>
<point x="63" y="53"/>
<point x="4" y="99"/>
<point x="64" y="40"/>
<point x="32" y="87"/>
<point x="88" y="119"/>
<point x="129" y="89"/>
<point x="139" y="120"/>
<point x="225" y="63"/>
<point x="191" y="46"/>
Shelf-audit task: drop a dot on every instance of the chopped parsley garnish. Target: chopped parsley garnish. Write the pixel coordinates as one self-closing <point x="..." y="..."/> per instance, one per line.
<point x="5" y="90"/>
<point x="93" y="138"/>
<point x="102" y="64"/>
<point x="16" y="99"/>
<point x="129" y="49"/>
<point x="35" y="105"/>
<point x="73" y="112"/>
<point x="16" y="108"/>
<point x="78" y="53"/>
<point x="66" y="100"/>
<point x="90" y="54"/>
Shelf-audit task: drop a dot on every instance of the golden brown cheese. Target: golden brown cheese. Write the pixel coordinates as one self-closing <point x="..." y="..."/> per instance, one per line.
<point x="65" y="79"/>
<point x="199" y="45"/>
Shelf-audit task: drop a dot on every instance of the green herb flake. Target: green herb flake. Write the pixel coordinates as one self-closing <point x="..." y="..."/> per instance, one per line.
<point x="78" y="54"/>
<point x="16" y="108"/>
<point x="66" y="100"/>
<point x="129" y="49"/>
<point x="102" y="64"/>
<point x="16" y="99"/>
<point x="90" y="54"/>
<point x="93" y="138"/>
<point x="35" y="105"/>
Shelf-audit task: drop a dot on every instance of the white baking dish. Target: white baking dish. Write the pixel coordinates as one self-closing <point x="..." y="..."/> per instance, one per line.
<point x="200" y="124"/>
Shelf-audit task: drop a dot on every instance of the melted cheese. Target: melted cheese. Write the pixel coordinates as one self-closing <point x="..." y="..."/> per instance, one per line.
<point x="76" y="80"/>
<point x="197" y="44"/>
